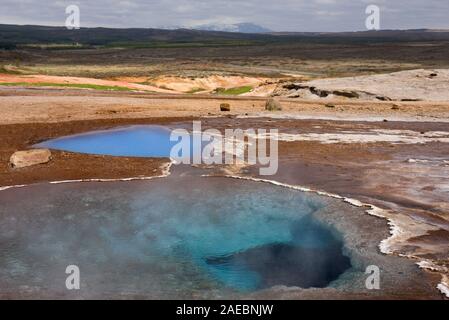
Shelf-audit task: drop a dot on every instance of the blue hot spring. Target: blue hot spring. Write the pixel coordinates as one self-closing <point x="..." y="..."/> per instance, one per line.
<point x="130" y="141"/>
<point x="176" y="237"/>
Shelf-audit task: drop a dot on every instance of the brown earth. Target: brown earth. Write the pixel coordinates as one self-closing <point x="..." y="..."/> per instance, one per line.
<point x="54" y="105"/>
<point x="68" y="165"/>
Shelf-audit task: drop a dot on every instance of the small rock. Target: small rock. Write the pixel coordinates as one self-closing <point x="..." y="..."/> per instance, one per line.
<point x="28" y="158"/>
<point x="225" y="107"/>
<point x="433" y="75"/>
<point x="329" y="105"/>
<point x="273" y="105"/>
<point x="385" y="120"/>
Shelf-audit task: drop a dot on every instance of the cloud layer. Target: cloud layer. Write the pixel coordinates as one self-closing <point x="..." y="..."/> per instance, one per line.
<point x="281" y="15"/>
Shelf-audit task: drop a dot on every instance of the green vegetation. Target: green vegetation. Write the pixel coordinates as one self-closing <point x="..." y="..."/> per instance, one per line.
<point x="234" y="91"/>
<point x="66" y="85"/>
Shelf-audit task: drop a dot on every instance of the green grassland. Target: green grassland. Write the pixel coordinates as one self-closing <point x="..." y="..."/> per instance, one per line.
<point x="234" y="91"/>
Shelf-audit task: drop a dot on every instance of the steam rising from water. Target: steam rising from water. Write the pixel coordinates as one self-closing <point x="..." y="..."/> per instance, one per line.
<point x="169" y="238"/>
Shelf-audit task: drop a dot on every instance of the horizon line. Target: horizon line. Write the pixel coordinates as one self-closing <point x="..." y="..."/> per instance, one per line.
<point x="196" y="29"/>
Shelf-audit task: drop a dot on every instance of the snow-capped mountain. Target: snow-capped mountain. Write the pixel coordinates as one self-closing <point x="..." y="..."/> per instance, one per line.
<point x="244" y="27"/>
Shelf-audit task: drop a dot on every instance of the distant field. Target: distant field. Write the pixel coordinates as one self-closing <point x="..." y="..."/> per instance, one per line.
<point x="181" y="44"/>
<point x="110" y="53"/>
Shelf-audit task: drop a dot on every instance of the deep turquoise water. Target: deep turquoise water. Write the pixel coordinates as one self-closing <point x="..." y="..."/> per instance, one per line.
<point x="131" y="141"/>
<point x="177" y="237"/>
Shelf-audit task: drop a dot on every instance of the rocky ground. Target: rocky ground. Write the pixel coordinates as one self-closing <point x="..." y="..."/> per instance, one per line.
<point x="412" y="85"/>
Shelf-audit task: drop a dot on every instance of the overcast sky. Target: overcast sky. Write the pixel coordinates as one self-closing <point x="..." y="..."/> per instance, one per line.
<point x="278" y="15"/>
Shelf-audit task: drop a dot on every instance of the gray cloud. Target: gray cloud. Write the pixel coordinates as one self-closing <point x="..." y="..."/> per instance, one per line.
<point x="281" y="15"/>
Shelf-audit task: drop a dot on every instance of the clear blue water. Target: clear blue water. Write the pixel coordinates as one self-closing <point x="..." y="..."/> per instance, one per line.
<point x="131" y="141"/>
<point x="177" y="237"/>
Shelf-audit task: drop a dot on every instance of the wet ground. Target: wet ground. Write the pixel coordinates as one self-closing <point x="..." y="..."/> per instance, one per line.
<point x="408" y="180"/>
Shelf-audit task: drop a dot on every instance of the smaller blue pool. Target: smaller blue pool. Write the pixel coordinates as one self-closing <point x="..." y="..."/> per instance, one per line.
<point x="133" y="141"/>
